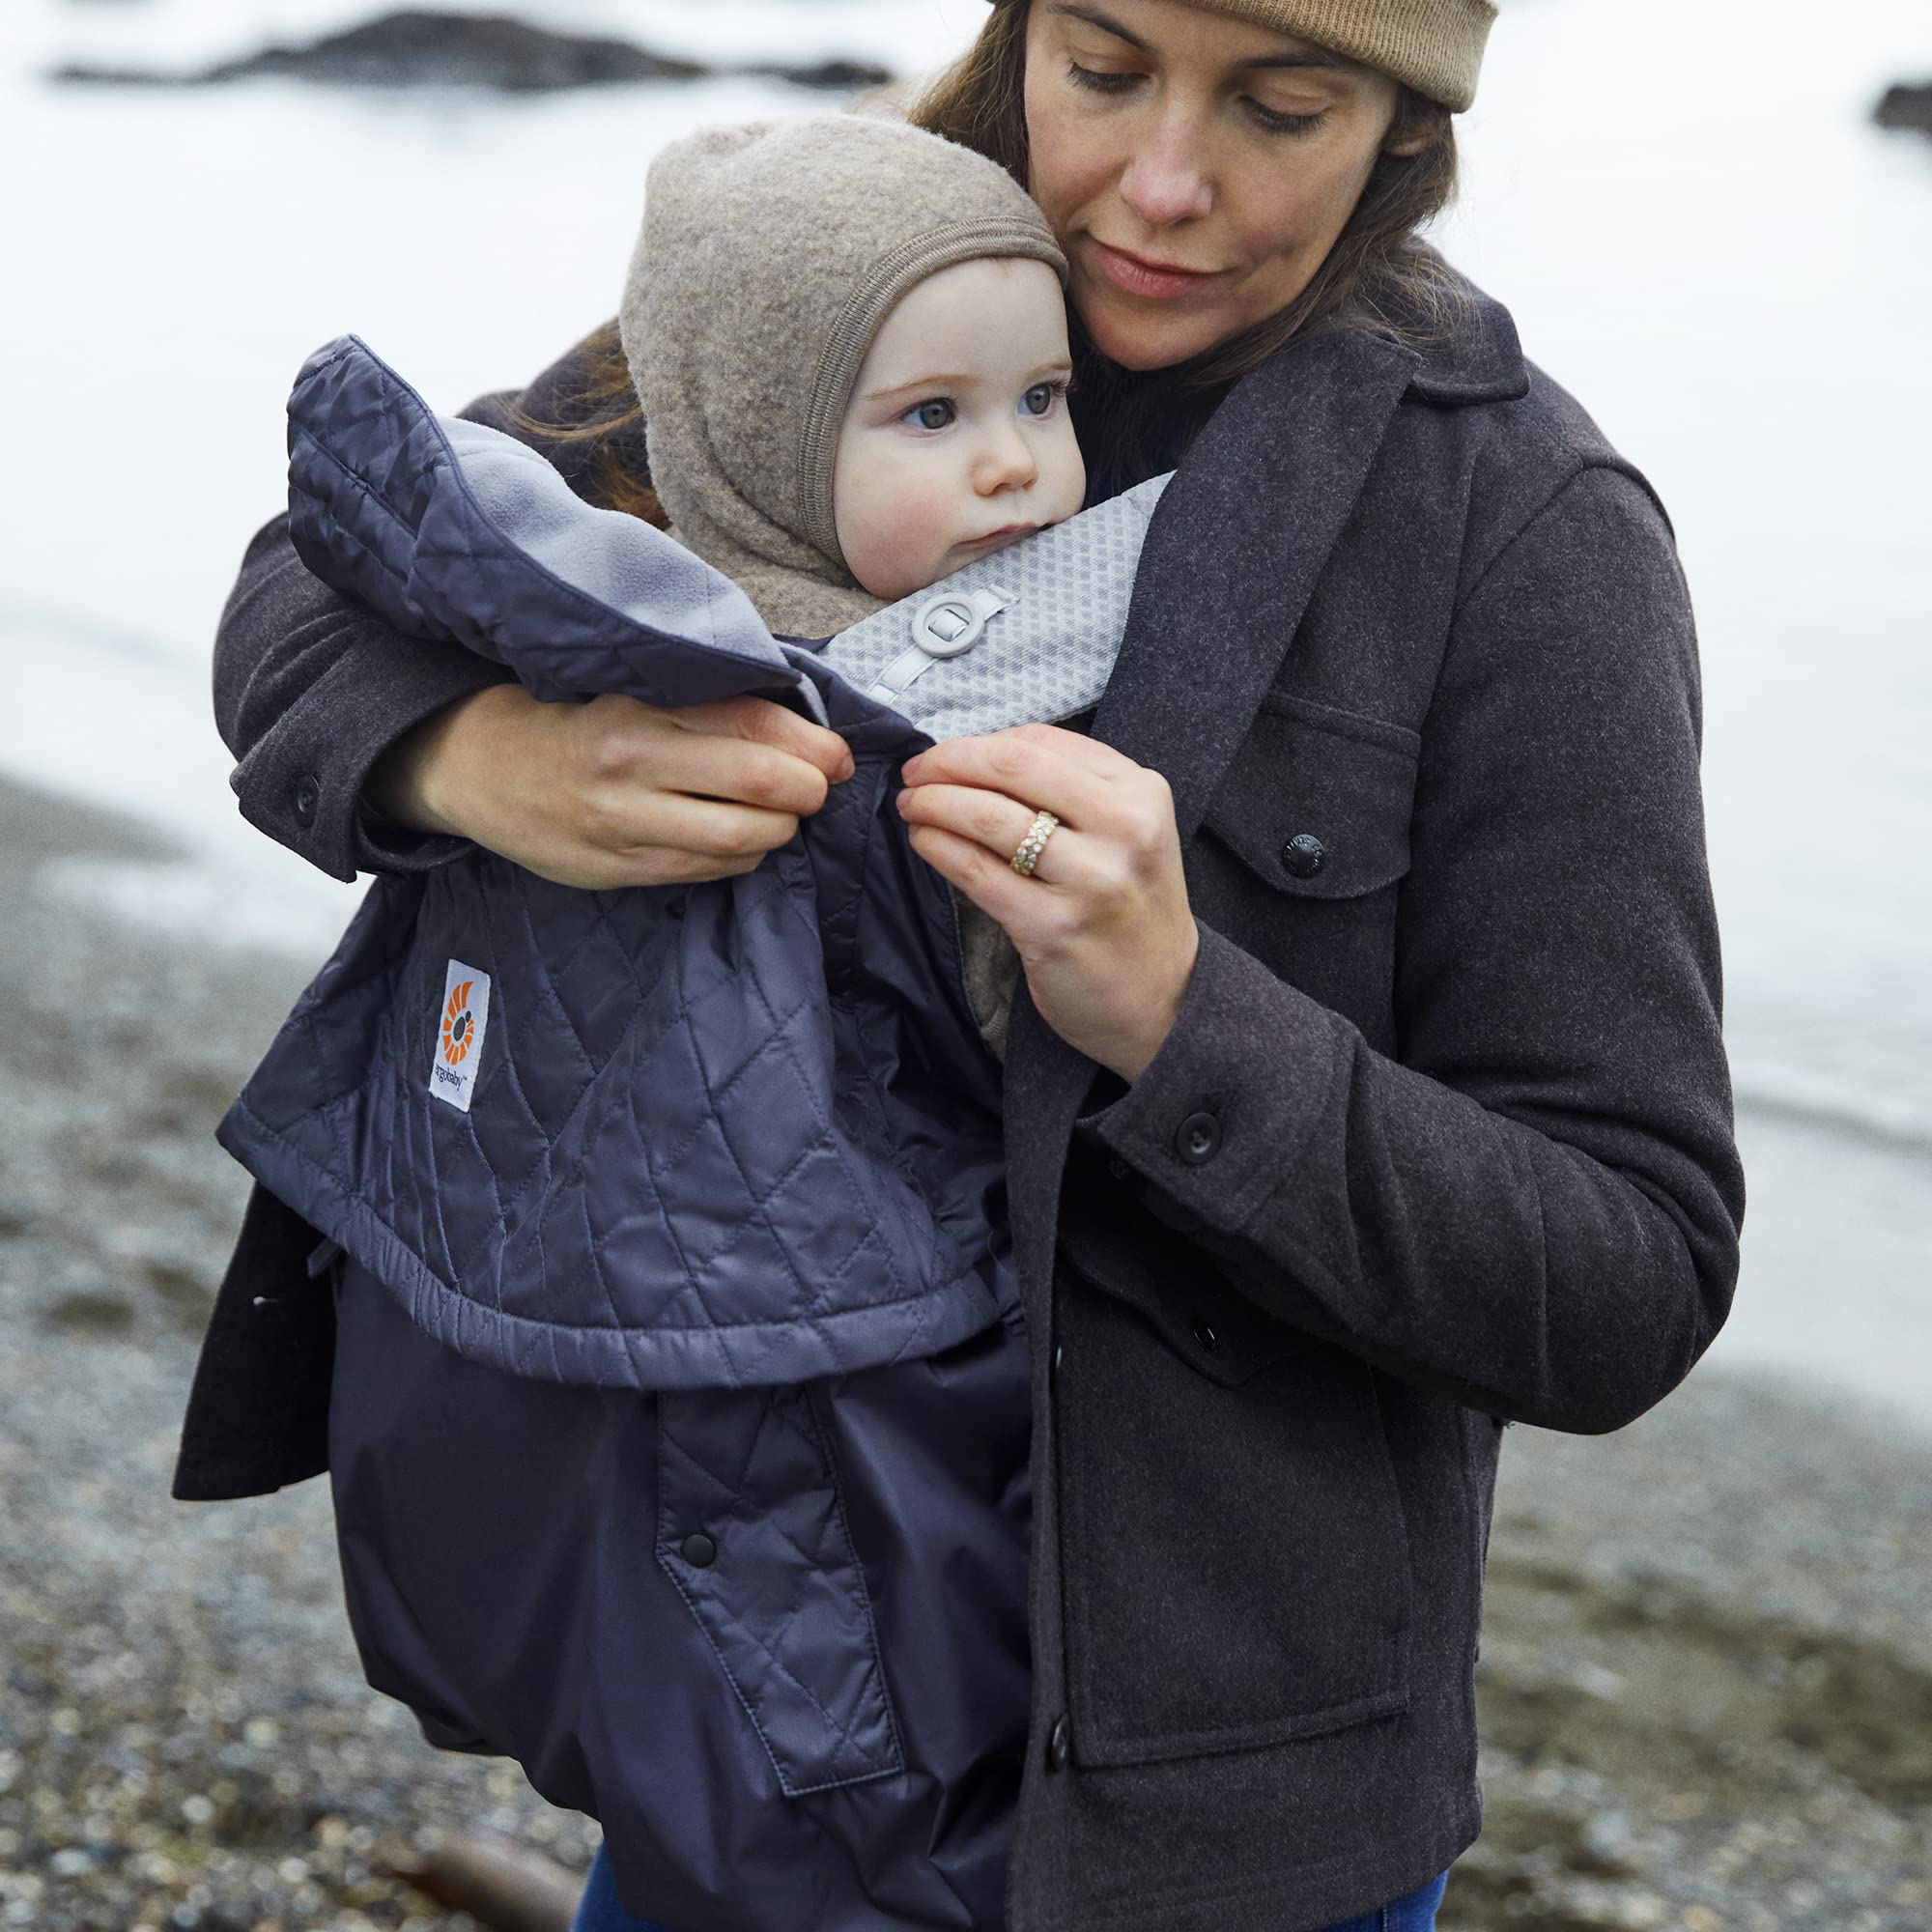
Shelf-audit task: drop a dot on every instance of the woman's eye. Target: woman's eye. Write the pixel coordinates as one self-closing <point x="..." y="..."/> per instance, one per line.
<point x="1038" y="400"/>
<point x="937" y="413"/>
<point x="1274" y="122"/>
<point x="1099" y="79"/>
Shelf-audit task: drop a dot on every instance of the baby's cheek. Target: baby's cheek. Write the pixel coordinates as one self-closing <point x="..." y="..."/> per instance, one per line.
<point x="890" y="537"/>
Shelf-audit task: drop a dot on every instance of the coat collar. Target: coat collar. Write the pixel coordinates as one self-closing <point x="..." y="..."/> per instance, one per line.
<point x="1478" y="360"/>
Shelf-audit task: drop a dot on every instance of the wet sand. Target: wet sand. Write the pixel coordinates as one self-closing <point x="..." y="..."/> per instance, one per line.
<point x="1707" y="1673"/>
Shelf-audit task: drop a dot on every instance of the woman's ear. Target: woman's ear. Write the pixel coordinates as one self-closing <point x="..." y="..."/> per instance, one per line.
<point x="1412" y="127"/>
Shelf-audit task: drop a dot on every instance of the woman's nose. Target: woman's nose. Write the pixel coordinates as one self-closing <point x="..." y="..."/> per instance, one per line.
<point x="1005" y="461"/>
<point x="1165" y="182"/>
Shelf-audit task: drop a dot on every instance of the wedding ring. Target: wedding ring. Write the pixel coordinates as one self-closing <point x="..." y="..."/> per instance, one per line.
<point x="1033" y="843"/>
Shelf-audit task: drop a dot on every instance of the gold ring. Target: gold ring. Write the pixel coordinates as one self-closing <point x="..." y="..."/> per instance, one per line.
<point x="1033" y="843"/>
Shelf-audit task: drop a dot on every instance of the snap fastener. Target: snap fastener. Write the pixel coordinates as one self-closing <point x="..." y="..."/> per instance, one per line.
<point x="307" y="799"/>
<point x="1059" y="1745"/>
<point x="1203" y="1333"/>
<point x="699" y="1551"/>
<point x="1304" y="855"/>
<point x="953" y="621"/>
<point x="1199" y="1139"/>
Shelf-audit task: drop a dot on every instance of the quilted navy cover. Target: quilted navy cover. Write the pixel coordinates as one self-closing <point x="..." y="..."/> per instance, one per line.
<point x="727" y="1135"/>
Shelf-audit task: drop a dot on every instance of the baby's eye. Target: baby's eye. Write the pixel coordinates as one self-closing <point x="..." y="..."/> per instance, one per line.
<point x="936" y="413"/>
<point x="1038" y="401"/>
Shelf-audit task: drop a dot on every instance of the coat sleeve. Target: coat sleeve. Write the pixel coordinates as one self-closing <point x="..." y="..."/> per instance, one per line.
<point x="1534" y="1207"/>
<point x="310" y="688"/>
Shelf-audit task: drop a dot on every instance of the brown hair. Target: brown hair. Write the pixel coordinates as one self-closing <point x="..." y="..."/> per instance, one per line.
<point x="1377" y="276"/>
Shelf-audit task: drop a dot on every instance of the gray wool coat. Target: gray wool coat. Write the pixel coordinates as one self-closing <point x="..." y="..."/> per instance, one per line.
<point x="1441" y="1137"/>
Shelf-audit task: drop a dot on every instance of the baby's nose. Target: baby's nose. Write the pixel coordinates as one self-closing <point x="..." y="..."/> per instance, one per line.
<point x="1005" y="462"/>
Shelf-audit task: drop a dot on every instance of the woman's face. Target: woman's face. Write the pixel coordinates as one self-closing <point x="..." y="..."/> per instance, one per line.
<point x="1196" y="169"/>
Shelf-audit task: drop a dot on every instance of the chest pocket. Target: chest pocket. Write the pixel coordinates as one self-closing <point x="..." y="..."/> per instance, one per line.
<point x="1303" y="848"/>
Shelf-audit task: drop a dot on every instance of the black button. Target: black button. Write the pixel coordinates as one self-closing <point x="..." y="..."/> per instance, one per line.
<point x="699" y="1551"/>
<point x="1199" y="1139"/>
<point x="1058" y="1741"/>
<point x="1116" y="1168"/>
<point x="1203" y="1333"/>
<point x="1304" y="855"/>
<point x="308" y="799"/>
<point x="1058" y="1349"/>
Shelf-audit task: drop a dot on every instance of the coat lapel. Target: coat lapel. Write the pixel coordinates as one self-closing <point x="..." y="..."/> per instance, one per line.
<point x="1266" y="493"/>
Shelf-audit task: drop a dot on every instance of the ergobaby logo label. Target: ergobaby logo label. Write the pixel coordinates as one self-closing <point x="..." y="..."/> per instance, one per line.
<point x="457" y="1056"/>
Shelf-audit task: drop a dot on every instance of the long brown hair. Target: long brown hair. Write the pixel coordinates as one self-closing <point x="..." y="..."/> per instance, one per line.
<point x="1378" y="275"/>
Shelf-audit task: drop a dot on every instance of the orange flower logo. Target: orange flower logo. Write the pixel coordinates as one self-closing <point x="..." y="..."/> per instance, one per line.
<point x="457" y="1031"/>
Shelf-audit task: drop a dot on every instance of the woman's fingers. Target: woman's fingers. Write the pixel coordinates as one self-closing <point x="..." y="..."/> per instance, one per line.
<point x="760" y="721"/>
<point x="746" y="750"/>
<point x="992" y="821"/>
<point x="1041" y="766"/>
<point x="1117" y="817"/>
<point x="613" y="792"/>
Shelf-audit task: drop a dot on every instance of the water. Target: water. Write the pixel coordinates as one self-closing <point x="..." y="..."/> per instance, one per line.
<point x="1687" y="208"/>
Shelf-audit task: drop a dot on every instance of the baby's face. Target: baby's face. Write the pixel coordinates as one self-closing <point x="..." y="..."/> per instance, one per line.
<point x="957" y="442"/>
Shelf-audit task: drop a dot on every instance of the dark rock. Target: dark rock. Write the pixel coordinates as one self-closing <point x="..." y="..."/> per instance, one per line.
<point x="418" y="49"/>
<point x="834" y="76"/>
<point x="92" y="1315"/>
<point x="1906" y="108"/>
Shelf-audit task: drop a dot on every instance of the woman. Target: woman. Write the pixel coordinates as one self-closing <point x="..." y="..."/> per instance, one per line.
<point x="1365" y="1086"/>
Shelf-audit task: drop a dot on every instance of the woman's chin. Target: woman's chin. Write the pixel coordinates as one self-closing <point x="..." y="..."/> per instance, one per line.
<point x="1140" y="337"/>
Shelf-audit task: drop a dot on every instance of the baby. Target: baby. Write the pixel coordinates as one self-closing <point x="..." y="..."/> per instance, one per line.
<point x="844" y="411"/>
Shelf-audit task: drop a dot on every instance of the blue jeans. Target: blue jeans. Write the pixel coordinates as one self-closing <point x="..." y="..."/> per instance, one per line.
<point x="600" y="1911"/>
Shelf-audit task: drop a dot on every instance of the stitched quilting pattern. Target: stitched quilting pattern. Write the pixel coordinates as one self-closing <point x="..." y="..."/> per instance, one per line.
<point x="751" y="1531"/>
<point x="702" y="1146"/>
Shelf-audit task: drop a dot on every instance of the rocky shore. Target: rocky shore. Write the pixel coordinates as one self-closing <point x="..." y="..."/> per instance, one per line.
<point x="1707" y="1680"/>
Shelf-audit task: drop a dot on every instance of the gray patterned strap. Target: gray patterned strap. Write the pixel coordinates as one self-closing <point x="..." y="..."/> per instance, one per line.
<point x="1028" y="635"/>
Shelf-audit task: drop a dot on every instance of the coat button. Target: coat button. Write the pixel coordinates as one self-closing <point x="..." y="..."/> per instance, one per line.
<point x="1304" y="855"/>
<point x="699" y="1551"/>
<point x="1058" y="1745"/>
<point x="1116" y="1168"/>
<point x="1199" y="1139"/>
<point x="1205" y="1333"/>
<point x="307" y="799"/>
<point x="1058" y="1349"/>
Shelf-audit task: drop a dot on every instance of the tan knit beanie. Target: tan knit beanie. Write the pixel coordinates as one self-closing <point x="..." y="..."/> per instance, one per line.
<point x="1435" y="46"/>
<point x="770" y="256"/>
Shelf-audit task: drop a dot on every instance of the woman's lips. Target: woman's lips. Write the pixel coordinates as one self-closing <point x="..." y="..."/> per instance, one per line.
<point x="1139" y="278"/>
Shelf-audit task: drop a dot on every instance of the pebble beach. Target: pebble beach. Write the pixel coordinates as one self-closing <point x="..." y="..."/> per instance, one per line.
<point x="1707" y="1670"/>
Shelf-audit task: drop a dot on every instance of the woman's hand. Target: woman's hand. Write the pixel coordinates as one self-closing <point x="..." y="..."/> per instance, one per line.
<point x="1102" y="924"/>
<point x="612" y="792"/>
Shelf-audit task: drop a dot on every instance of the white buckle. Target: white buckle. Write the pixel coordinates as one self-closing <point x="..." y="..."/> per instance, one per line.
<point x="951" y="621"/>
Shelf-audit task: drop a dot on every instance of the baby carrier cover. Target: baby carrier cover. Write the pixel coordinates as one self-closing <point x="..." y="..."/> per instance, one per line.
<point x="680" y="1415"/>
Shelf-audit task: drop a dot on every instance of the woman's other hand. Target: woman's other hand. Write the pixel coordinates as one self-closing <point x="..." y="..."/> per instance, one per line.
<point x="1102" y="924"/>
<point x="612" y="792"/>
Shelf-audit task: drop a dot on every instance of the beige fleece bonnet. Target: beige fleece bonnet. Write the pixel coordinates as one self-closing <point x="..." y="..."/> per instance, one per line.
<point x="769" y="258"/>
